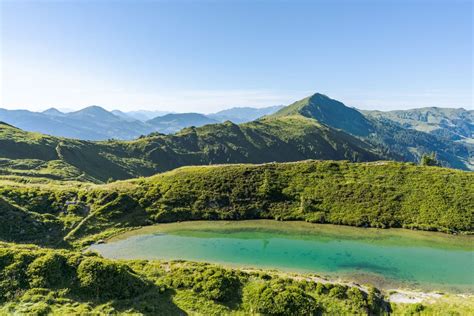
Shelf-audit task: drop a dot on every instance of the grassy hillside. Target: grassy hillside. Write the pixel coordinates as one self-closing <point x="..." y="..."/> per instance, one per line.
<point x="380" y="194"/>
<point x="41" y="281"/>
<point x="383" y="131"/>
<point x="330" y="112"/>
<point x="66" y="216"/>
<point x="274" y="139"/>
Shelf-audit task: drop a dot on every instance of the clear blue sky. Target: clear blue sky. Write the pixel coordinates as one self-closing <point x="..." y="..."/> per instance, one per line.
<point x="206" y="55"/>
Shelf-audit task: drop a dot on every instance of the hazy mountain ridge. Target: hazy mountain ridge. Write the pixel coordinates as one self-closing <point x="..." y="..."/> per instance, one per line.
<point x="171" y="123"/>
<point x="244" y="114"/>
<point x="96" y="123"/>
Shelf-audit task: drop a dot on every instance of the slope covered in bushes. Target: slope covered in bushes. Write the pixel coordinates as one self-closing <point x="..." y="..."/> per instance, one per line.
<point x="43" y="281"/>
<point x="379" y="194"/>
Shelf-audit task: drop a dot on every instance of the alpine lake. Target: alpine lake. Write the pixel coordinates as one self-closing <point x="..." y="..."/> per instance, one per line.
<point x="386" y="258"/>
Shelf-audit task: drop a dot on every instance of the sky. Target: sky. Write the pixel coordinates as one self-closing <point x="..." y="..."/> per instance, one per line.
<point x="202" y="56"/>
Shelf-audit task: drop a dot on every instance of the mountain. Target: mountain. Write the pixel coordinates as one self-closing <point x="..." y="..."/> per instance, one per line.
<point x="316" y="127"/>
<point x="39" y="122"/>
<point x="289" y="138"/>
<point x="53" y="112"/>
<point x="171" y="123"/>
<point x="330" y="112"/>
<point x="452" y="124"/>
<point x="96" y="123"/>
<point x="244" y="114"/>
<point x="391" y="138"/>
<point x="144" y="115"/>
<point x="123" y="115"/>
<point x="91" y="123"/>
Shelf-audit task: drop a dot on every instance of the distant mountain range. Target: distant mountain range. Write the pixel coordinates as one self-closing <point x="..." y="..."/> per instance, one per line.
<point x="244" y="114"/>
<point x="96" y="123"/>
<point x="316" y="127"/>
<point x="448" y="123"/>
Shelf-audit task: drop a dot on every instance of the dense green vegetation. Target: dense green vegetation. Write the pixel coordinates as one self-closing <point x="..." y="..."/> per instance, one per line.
<point x="379" y="194"/>
<point x="41" y="281"/>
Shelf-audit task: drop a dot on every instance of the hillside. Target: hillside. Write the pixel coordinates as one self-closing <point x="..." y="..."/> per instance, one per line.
<point x="330" y="112"/>
<point x="273" y="139"/>
<point x="316" y="127"/>
<point x="387" y="135"/>
<point x="41" y="281"/>
<point x="96" y="123"/>
<point x="379" y="194"/>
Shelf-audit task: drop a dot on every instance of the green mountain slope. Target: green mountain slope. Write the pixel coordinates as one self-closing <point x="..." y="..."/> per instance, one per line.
<point x="272" y="139"/>
<point x="330" y="112"/>
<point x="313" y="128"/>
<point x="388" y="136"/>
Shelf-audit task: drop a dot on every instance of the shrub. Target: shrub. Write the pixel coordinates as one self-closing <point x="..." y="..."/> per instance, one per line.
<point x="212" y="282"/>
<point x="50" y="271"/>
<point x="272" y="298"/>
<point x="106" y="279"/>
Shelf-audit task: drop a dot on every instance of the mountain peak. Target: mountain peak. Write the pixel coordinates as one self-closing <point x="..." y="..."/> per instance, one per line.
<point x="330" y="112"/>
<point x="53" y="112"/>
<point x="93" y="110"/>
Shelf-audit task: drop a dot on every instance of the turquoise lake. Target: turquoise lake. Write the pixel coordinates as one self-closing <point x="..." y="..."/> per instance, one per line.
<point x="385" y="258"/>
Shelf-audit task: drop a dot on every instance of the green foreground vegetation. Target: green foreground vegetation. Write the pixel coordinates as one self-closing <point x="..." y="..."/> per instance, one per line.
<point x="41" y="281"/>
<point x="67" y="216"/>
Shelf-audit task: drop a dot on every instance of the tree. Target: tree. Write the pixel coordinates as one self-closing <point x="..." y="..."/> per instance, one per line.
<point x="429" y="160"/>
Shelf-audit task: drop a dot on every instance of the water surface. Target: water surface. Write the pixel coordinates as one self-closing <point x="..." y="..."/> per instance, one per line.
<point x="385" y="258"/>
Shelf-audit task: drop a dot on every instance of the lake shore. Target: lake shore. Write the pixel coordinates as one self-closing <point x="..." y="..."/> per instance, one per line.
<point x="302" y="231"/>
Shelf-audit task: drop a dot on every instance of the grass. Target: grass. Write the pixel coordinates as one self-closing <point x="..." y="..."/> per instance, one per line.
<point x="381" y="195"/>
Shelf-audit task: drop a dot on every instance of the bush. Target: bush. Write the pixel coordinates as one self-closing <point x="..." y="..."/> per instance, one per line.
<point x="278" y="299"/>
<point x="50" y="271"/>
<point x="415" y="309"/>
<point x="212" y="282"/>
<point x="106" y="279"/>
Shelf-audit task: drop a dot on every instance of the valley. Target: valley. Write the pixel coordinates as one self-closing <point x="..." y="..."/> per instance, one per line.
<point x="236" y="158"/>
